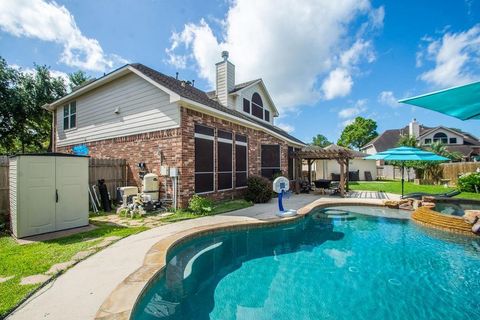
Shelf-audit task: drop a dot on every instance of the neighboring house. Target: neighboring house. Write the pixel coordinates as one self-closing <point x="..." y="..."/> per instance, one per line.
<point x="215" y="140"/>
<point x="325" y="168"/>
<point x="454" y="140"/>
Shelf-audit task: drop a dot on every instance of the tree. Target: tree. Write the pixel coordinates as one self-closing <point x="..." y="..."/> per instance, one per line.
<point x="321" y="141"/>
<point x="407" y="141"/>
<point x="25" y="125"/>
<point x="358" y="133"/>
<point x="77" y="78"/>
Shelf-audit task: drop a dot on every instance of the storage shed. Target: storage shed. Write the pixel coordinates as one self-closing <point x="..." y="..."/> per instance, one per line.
<point x="48" y="192"/>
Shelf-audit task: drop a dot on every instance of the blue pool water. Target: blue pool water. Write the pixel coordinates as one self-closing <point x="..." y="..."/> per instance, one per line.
<point x="337" y="263"/>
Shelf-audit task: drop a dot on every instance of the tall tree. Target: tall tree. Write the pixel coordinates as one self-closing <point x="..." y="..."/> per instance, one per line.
<point x="321" y="141"/>
<point x="358" y="133"/>
<point x="25" y="125"/>
<point x="77" y="78"/>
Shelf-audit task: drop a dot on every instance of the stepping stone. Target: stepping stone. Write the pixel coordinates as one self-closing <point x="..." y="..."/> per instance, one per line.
<point x="5" y="279"/>
<point x="112" y="238"/>
<point x="82" y="255"/>
<point x="60" y="267"/>
<point x="35" y="279"/>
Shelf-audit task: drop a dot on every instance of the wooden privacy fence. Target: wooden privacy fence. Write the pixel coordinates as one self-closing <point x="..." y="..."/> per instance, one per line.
<point x="114" y="171"/>
<point x="453" y="170"/>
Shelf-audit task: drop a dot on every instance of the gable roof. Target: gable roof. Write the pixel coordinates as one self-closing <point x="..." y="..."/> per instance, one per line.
<point x="177" y="89"/>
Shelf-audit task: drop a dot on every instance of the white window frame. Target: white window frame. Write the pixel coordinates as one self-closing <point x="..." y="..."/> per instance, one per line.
<point x="69" y="115"/>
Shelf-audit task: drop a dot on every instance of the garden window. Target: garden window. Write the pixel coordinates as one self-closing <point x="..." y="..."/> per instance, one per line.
<point x="70" y="115"/>
<point x="270" y="160"/>
<point x="241" y="160"/>
<point x="204" y="159"/>
<point x="224" y="160"/>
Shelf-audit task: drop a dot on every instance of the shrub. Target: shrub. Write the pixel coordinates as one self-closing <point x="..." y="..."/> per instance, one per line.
<point x="200" y="205"/>
<point x="468" y="181"/>
<point x="259" y="189"/>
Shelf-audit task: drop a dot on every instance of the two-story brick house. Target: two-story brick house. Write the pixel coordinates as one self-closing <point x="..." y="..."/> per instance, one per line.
<point x="215" y="139"/>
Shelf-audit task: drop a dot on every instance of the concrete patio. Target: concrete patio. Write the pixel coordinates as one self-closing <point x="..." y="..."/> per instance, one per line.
<point x="79" y="293"/>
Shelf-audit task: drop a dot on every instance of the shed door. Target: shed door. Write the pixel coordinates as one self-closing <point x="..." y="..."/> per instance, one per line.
<point x="37" y="180"/>
<point x="72" y="183"/>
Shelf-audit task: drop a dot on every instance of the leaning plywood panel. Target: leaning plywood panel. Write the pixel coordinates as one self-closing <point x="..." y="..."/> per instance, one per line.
<point x="35" y="198"/>
<point x="72" y="192"/>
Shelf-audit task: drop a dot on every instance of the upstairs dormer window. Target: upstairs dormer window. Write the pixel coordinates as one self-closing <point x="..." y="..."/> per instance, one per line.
<point x="70" y="115"/>
<point x="257" y="106"/>
<point x="453" y="140"/>
<point x="440" y="136"/>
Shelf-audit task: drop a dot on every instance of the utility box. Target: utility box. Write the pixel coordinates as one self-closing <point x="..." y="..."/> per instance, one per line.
<point x="48" y="192"/>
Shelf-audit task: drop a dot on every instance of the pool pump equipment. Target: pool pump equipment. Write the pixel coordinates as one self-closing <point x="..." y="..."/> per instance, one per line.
<point x="143" y="202"/>
<point x="281" y="185"/>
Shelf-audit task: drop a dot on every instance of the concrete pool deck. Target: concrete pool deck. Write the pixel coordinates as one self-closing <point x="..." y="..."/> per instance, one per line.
<point x="81" y="291"/>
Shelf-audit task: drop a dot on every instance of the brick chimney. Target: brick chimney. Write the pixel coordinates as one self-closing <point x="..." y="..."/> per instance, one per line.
<point x="225" y="81"/>
<point x="414" y="128"/>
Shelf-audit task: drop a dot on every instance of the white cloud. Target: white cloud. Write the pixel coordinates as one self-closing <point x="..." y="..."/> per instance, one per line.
<point x="388" y="98"/>
<point x="338" y="84"/>
<point x="49" y="21"/>
<point x="358" y="108"/>
<point x="456" y="57"/>
<point x="285" y="126"/>
<point x="347" y="122"/>
<point x="292" y="55"/>
<point x="53" y="73"/>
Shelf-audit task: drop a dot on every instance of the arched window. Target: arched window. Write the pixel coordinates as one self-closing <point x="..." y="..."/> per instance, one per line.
<point x="257" y="106"/>
<point x="440" y="136"/>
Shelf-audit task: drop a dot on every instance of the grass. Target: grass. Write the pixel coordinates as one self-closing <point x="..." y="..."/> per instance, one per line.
<point x="219" y="207"/>
<point x="26" y="260"/>
<point x="36" y="258"/>
<point x="396" y="187"/>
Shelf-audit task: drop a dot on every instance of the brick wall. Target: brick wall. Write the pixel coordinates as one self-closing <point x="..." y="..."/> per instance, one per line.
<point x="176" y="148"/>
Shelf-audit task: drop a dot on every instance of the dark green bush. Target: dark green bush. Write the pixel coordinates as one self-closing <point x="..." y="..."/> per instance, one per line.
<point x="259" y="189"/>
<point x="468" y="181"/>
<point x="200" y="205"/>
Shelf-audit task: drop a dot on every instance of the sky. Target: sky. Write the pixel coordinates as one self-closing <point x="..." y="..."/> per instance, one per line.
<point x="324" y="62"/>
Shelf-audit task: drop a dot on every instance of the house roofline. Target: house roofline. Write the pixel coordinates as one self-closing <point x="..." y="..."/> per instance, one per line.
<point x="190" y="104"/>
<point x="440" y="127"/>
<point x="262" y="84"/>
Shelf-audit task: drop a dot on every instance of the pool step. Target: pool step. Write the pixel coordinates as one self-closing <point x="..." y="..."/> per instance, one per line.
<point x="341" y="217"/>
<point x="430" y="217"/>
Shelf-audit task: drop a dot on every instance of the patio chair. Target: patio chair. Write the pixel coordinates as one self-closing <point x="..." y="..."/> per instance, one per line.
<point x="419" y="195"/>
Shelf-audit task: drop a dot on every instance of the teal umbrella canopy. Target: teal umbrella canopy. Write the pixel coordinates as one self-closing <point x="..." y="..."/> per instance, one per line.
<point x="406" y="154"/>
<point x="461" y="102"/>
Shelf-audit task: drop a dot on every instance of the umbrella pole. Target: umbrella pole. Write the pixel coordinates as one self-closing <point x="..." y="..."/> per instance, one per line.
<point x="403" y="169"/>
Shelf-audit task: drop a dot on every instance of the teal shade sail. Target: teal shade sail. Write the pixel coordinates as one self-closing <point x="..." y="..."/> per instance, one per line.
<point x="462" y="102"/>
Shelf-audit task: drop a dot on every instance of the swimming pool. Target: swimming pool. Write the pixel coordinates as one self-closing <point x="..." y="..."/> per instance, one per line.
<point x="336" y="263"/>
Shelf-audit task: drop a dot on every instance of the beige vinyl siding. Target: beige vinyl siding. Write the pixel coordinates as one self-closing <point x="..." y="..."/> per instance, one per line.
<point x="247" y="94"/>
<point x="142" y="108"/>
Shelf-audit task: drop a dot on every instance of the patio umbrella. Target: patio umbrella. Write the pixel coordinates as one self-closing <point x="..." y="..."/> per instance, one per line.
<point x="406" y="154"/>
<point x="462" y="102"/>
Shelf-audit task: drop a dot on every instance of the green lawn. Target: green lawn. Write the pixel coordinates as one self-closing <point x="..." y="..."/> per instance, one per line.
<point x="396" y="187"/>
<point x="219" y="207"/>
<point x="20" y="261"/>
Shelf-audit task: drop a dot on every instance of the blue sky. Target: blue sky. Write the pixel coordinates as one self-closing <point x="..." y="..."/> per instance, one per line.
<point x="324" y="62"/>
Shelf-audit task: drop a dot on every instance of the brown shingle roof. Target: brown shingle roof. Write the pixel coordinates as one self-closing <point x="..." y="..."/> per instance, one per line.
<point x="197" y="95"/>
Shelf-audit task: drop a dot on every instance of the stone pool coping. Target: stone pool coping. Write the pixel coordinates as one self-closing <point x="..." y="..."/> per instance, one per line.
<point x="430" y="218"/>
<point x="120" y="303"/>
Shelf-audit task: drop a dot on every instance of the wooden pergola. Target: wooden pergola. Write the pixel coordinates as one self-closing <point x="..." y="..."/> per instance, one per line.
<point x="312" y="153"/>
